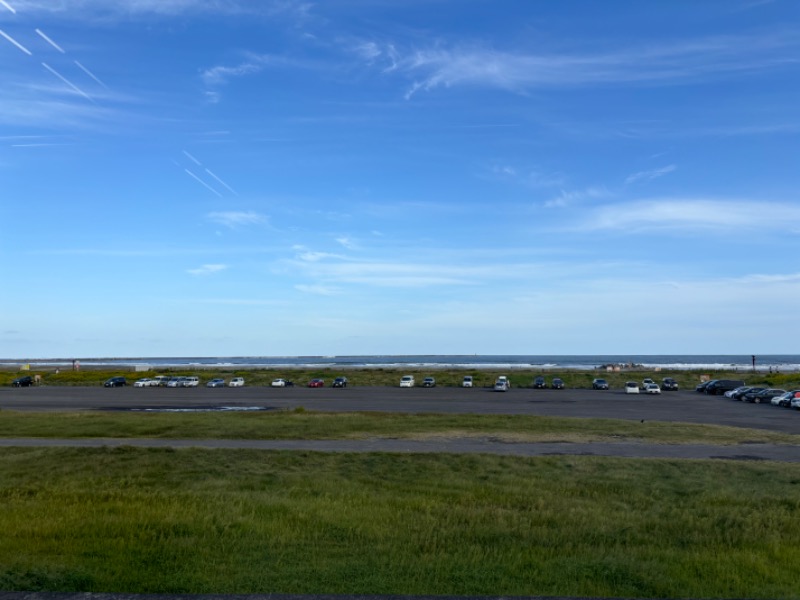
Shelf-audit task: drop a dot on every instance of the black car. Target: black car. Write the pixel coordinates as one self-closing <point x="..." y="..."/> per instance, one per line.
<point x="720" y="386"/>
<point x="340" y="382"/>
<point x="599" y="384"/>
<point x="558" y="384"/>
<point x="701" y="387"/>
<point x="668" y="383"/>
<point x="739" y="394"/>
<point x="25" y="381"/>
<point x="763" y="396"/>
<point x="116" y="382"/>
<point x="539" y="383"/>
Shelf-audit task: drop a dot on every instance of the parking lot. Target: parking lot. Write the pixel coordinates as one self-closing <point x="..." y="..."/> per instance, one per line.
<point x="682" y="406"/>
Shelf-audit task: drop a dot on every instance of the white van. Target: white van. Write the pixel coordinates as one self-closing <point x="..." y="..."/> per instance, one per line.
<point x="467" y="381"/>
<point x="236" y="382"/>
<point x="407" y="381"/>
<point x="191" y="381"/>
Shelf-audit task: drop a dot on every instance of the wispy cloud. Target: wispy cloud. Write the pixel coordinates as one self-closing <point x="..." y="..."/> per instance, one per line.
<point x="294" y="9"/>
<point x="234" y="219"/>
<point x="207" y="269"/>
<point x="347" y="242"/>
<point x="684" y="214"/>
<point x="649" y="175"/>
<point x="320" y="290"/>
<point x="572" y="197"/>
<point x="682" y="61"/>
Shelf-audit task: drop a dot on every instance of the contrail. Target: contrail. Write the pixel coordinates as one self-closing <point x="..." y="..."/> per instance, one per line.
<point x="203" y="182"/>
<point x="90" y="74"/>
<point x="197" y="162"/>
<point x="8" y="6"/>
<point x="16" y="43"/>
<point x="49" y="41"/>
<point x="222" y="182"/>
<point x="69" y="83"/>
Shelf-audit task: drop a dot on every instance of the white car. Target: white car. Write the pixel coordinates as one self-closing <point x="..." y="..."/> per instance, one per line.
<point x="652" y="388"/>
<point x="645" y="382"/>
<point x="236" y="382"/>
<point x="467" y="381"/>
<point x="278" y="383"/>
<point x="191" y="381"/>
<point x="631" y="387"/>
<point x="730" y="393"/>
<point x="407" y="381"/>
<point x="144" y="382"/>
<point x="504" y="379"/>
<point x="795" y="403"/>
<point x="501" y="385"/>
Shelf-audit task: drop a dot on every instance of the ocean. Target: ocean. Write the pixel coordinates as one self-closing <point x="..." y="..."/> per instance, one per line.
<point x="780" y="362"/>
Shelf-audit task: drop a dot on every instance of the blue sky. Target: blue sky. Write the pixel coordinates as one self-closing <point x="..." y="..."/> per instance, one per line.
<point x="259" y="177"/>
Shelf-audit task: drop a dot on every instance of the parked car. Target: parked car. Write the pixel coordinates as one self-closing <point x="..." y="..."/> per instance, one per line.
<point x="645" y="382"/>
<point x="236" y="382"/>
<point x="784" y="399"/>
<point x="280" y="382"/>
<point x="340" y="382"/>
<point x="501" y="385"/>
<point x="599" y="384"/>
<point x="652" y="388"/>
<point x="216" y="383"/>
<point x="467" y="381"/>
<point x="116" y="382"/>
<point x="764" y="396"/>
<point x="429" y="382"/>
<point x="669" y="384"/>
<point x="745" y="390"/>
<point x="25" y="381"/>
<point x="407" y="381"/>
<point x="504" y="379"/>
<point x="795" y="403"/>
<point x="175" y="382"/>
<point x="316" y="383"/>
<point x="145" y="382"/>
<point x="730" y="393"/>
<point x="191" y="381"/>
<point x="720" y="386"/>
<point x="558" y="384"/>
<point x="701" y="387"/>
<point x="539" y="383"/>
<point x="631" y="387"/>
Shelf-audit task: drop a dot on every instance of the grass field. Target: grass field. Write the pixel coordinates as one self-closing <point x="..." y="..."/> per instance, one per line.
<point x="225" y="521"/>
<point x="300" y="424"/>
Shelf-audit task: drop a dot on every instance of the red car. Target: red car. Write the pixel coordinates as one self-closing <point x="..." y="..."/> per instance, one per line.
<point x="316" y="383"/>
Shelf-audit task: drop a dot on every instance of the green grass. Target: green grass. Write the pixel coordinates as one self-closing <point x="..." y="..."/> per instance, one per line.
<point x="391" y="377"/>
<point x="303" y="424"/>
<point x="227" y="521"/>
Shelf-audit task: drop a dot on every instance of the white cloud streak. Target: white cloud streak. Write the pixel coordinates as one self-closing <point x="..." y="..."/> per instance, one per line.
<point x="207" y="269"/>
<point x="47" y="39"/>
<point x="649" y="175"/>
<point x="234" y="219"/>
<point x="693" y="214"/>
<point x="680" y="62"/>
<point x="16" y="43"/>
<point x="68" y="82"/>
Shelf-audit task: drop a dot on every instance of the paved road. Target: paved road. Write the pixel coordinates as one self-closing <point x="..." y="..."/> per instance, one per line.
<point x="689" y="407"/>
